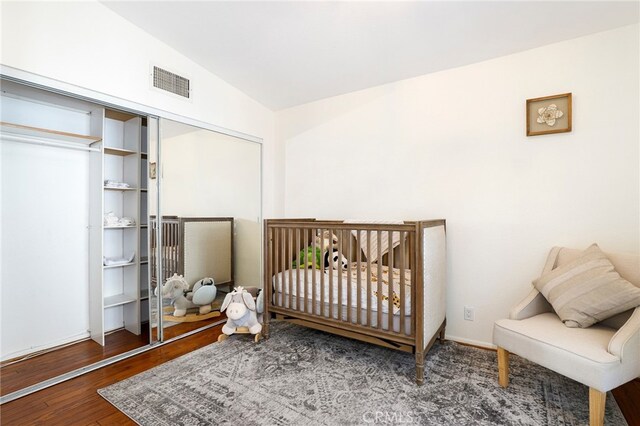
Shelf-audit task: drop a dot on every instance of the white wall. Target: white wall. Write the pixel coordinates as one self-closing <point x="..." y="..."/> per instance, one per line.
<point x="88" y="45"/>
<point x="452" y="145"/>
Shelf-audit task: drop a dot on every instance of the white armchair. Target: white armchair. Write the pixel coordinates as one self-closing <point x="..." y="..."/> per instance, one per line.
<point x="603" y="356"/>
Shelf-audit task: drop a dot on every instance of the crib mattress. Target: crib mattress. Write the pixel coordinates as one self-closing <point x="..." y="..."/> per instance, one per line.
<point x="395" y="320"/>
<point x="390" y="277"/>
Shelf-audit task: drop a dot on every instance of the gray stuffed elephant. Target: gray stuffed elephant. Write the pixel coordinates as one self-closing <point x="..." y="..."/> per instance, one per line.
<point x="241" y="312"/>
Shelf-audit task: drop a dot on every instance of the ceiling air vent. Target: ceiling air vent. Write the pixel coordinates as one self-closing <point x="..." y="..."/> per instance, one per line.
<point x="174" y="83"/>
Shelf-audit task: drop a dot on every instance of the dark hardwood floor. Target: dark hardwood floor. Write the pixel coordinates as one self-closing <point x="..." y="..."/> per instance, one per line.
<point x="628" y="399"/>
<point x="76" y="402"/>
<point x="48" y="365"/>
<point x="25" y="373"/>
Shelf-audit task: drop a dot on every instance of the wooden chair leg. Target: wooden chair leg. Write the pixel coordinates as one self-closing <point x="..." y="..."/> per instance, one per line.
<point x="503" y="367"/>
<point x="597" y="401"/>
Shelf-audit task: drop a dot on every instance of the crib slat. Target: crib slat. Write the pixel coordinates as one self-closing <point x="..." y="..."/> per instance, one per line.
<point x="349" y="305"/>
<point x="359" y="279"/>
<point x="379" y="322"/>
<point x="283" y="259"/>
<point x="322" y="294"/>
<point x="339" y="301"/>
<point x="290" y="266"/>
<point x="330" y="274"/>
<point x="390" y="304"/>
<point x="412" y="262"/>
<point x="369" y="295"/>
<point x="274" y="265"/>
<point x="304" y="271"/>
<point x="176" y="252"/>
<point x="298" y="296"/>
<point x="402" y="295"/>
<point x="313" y="274"/>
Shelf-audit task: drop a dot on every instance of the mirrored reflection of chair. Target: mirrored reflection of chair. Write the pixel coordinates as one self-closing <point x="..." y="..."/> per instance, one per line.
<point x="602" y="357"/>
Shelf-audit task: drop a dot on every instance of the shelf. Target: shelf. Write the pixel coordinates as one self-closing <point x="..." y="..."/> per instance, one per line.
<point x="143" y="155"/>
<point x="143" y="189"/>
<point x="120" y="227"/>
<point x="110" y="188"/>
<point x="117" y="300"/>
<point x="144" y="260"/>
<point x="40" y="136"/>
<point x="143" y="225"/>
<point x="118" y="151"/>
<point x="144" y="294"/>
<point x="120" y="265"/>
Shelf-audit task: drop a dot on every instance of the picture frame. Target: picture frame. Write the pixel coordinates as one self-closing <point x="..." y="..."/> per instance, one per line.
<point x="549" y="114"/>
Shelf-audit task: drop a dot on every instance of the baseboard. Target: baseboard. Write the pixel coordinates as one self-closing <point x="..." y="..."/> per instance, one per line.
<point x="470" y="342"/>
<point x="35" y="350"/>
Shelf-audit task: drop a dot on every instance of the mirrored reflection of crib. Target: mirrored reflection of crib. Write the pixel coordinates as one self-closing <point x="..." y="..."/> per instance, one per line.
<point x="195" y="247"/>
<point x="393" y="298"/>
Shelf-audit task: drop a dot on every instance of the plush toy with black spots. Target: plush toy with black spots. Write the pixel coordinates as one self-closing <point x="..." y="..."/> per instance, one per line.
<point x="336" y="259"/>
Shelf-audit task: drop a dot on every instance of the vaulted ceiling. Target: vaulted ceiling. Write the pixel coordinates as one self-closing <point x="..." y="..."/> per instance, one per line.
<point x="288" y="53"/>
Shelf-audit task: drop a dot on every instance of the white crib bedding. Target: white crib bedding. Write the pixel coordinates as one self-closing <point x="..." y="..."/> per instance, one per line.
<point x="396" y="323"/>
<point x="282" y="288"/>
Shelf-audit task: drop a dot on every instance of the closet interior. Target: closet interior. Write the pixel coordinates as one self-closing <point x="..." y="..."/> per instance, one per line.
<point x="74" y="228"/>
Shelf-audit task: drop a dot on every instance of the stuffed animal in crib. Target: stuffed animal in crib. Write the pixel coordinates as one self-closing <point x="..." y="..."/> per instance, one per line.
<point x="200" y="296"/>
<point x="241" y="312"/>
<point x="306" y="258"/>
<point x="336" y="259"/>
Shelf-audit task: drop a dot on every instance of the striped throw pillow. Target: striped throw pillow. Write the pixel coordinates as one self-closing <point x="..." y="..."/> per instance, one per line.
<point x="587" y="290"/>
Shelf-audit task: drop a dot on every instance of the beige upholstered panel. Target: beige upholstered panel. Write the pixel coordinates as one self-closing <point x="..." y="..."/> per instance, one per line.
<point x="435" y="280"/>
<point x="207" y="250"/>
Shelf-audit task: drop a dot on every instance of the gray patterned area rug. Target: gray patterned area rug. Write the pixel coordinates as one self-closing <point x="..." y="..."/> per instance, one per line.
<point x="306" y="377"/>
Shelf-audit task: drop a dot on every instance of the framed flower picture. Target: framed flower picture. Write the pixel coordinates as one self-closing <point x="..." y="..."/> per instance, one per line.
<point x="550" y="114"/>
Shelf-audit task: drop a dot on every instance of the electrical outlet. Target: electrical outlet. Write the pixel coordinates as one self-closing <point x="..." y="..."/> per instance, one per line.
<point x="469" y="313"/>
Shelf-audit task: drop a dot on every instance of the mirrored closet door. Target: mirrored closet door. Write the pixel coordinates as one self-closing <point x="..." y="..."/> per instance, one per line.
<point x="100" y="208"/>
<point x="210" y="201"/>
<point x="74" y="227"/>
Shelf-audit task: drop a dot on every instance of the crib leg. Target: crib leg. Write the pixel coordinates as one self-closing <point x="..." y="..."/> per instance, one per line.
<point x="265" y="325"/>
<point x="419" y="368"/>
<point x="441" y="335"/>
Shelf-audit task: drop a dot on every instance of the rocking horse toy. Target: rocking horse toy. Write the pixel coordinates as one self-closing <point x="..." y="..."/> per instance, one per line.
<point x="244" y="313"/>
<point x="183" y="298"/>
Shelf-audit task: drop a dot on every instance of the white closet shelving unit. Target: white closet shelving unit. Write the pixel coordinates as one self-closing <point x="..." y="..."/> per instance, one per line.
<point x="116" y="303"/>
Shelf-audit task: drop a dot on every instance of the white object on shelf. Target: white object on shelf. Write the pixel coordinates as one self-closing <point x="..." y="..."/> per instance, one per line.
<point x="113" y="221"/>
<point x="118" y="261"/>
<point x="110" y="183"/>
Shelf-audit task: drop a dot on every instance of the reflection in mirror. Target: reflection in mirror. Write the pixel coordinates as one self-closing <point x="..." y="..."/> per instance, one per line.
<point x="74" y="238"/>
<point x="211" y="237"/>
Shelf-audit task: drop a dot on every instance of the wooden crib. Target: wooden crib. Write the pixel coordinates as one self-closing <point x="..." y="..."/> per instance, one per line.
<point x="195" y="247"/>
<point x="394" y="299"/>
